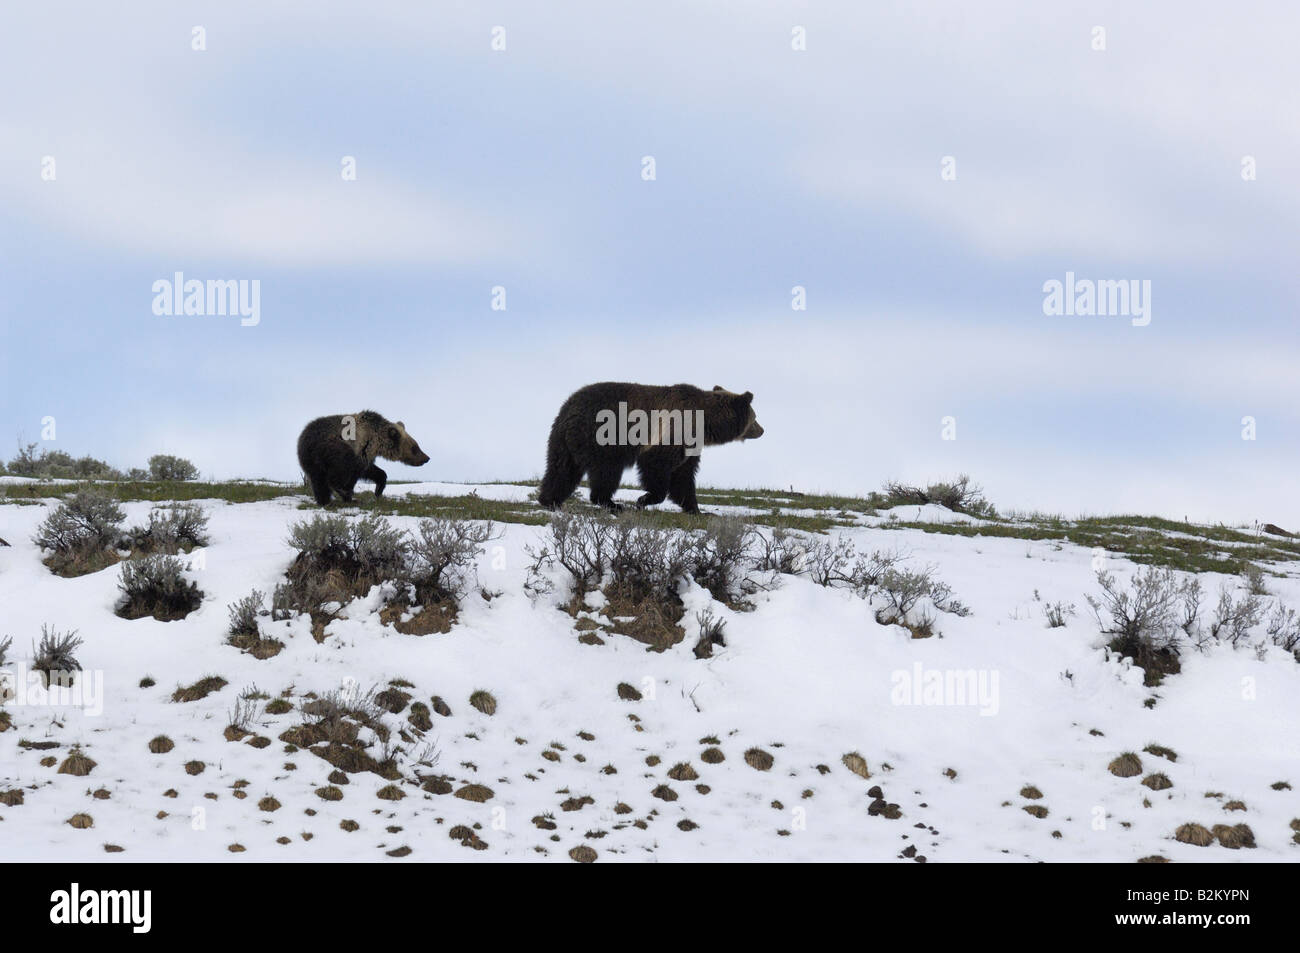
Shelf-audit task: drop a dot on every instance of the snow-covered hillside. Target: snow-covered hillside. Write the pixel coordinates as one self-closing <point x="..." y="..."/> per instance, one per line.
<point x="807" y="677"/>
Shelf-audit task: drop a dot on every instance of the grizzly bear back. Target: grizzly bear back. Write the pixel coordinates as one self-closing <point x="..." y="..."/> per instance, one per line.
<point x="349" y="443"/>
<point x="577" y="425"/>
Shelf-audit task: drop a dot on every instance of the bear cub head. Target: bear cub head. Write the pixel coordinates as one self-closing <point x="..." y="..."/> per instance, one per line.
<point x="396" y="444"/>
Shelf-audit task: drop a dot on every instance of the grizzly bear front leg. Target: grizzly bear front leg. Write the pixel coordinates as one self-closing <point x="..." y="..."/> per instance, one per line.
<point x="378" y="477"/>
<point x="681" y="488"/>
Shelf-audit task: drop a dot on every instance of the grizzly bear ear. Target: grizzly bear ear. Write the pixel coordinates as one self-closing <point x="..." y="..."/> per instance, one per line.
<point x="402" y="425"/>
<point x="748" y="396"/>
<point x="718" y="387"/>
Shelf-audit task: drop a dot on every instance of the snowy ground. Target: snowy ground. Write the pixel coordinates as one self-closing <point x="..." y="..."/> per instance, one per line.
<point x="808" y="676"/>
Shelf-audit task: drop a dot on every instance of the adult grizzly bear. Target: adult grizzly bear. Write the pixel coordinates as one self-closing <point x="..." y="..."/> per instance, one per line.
<point x="603" y="429"/>
<point x="337" y="451"/>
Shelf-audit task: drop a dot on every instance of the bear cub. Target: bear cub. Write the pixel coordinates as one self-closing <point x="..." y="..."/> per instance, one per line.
<point x="335" y="452"/>
<point x="602" y="429"/>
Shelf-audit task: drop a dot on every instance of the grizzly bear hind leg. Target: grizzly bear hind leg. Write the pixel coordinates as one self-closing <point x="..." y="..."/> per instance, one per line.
<point x="656" y="476"/>
<point x="561" y="479"/>
<point x="681" y="488"/>
<point x="320" y="488"/>
<point x="604" y="478"/>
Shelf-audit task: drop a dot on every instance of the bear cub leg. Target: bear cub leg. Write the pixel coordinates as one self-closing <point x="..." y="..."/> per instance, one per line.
<point x="378" y="477"/>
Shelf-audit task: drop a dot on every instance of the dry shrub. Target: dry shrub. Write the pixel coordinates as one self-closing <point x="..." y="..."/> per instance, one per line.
<point x="721" y="553"/>
<point x="1194" y="834"/>
<point x="154" y="586"/>
<point x="81" y="533"/>
<point x="638" y="565"/>
<point x="856" y="763"/>
<point x="419" y="717"/>
<point x="340" y="559"/>
<point x="960" y="496"/>
<point x="781" y="552"/>
<point x="1157" y="782"/>
<point x="443" y="555"/>
<point x="712" y="632"/>
<point x="55" y="657"/>
<point x="1143" y="623"/>
<point x="200" y="689"/>
<point x="173" y="528"/>
<point x="77" y="764"/>
<point x="1160" y="751"/>
<point x="393" y="700"/>
<point x="245" y="633"/>
<point x="1234" y="836"/>
<point x="651" y="620"/>
<point x="333" y="733"/>
<point x="1127" y="765"/>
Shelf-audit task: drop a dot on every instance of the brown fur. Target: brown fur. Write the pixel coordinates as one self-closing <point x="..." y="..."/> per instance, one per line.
<point x="335" y="452"/>
<point x="575" y="447"/>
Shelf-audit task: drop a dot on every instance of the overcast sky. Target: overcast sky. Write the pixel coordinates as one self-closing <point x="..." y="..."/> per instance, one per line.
<point x="775" y="167"/>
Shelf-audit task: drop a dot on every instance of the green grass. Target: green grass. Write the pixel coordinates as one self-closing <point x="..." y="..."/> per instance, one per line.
<point x="528" y="513"/>
<point x="232" y="492"/>
<point x="1143" y="539"/>
<point x="465" y="507"/>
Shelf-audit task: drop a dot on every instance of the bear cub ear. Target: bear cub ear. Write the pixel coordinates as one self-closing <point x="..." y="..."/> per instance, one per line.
<point x="718" y="387"/>
<point x="747" y="396"/>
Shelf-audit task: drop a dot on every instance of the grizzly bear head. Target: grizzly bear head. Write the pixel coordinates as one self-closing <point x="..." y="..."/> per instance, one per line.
<point x="396" y="444"/>
<point x="747" y="425"/>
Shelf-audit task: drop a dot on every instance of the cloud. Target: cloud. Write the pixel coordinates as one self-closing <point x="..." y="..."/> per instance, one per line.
<point x="204" y="199"/>
<point x="777" y="167"/>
